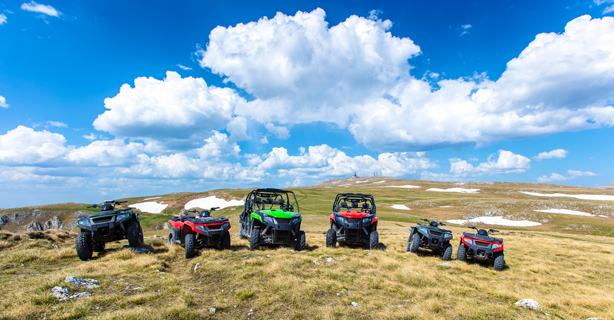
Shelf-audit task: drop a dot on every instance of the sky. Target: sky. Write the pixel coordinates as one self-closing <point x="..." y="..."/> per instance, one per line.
<point x="110" y="99"/>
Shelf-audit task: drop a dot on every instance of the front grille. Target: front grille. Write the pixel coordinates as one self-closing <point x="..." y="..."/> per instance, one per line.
<point x="103" y="219"/>
<point x="436" y="233"/>
<point x="283" y="220"/>
<point x="353" y="220"/>
<point x="482" y="244"/>
<point x="215" y="227"/>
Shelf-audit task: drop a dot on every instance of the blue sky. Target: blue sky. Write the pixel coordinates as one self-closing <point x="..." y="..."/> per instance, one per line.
<point x="109" y="99"/>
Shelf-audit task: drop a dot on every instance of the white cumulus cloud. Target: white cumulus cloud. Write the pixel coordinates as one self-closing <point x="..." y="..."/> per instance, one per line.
<point x="2" y="19"/>
<point x="106" y="153"/>
<point x="24" y="146"/>
<point x="3" y="103"/>
<point x="40" y="8"/>
<point x="506" y="162"/>
<point x="558" y="154"/>
<point x="175" y="110"/>
<point x="576" y="173"/>
<point x="552" y="177"/>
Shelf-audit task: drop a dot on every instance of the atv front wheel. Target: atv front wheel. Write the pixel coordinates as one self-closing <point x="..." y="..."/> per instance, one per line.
<point x="254" y="239"/>
<point x="499" y="263"/>
<point x="447" y="253"/>
<point x="461" y="254"/>
<point x="134" y="238"/>
<point x="300" y="241"/>
<point x="415" y="243"/>
<point x="99" y="246"/>
<point x="373" y="240"/>
<point x="189" y="245"/>
<point x="331" y="238"/>
<point x="225" y="244"/>
<point x="84" y="245"/>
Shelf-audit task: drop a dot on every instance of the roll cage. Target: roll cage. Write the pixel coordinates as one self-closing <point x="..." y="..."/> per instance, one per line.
<point x="348" y="201"/>
<point x="269" y="198"/>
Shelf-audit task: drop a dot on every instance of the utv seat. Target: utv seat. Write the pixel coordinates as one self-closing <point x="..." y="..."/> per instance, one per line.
<point x="345" y="205"/>
<point x="365" y="207"/>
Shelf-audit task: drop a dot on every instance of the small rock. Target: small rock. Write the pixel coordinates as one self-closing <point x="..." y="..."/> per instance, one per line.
<point x="211" y="310"/>
<point x="133" y="288"/>
<point x="501" y="278"/>
<point x="196" y="266"/>
<point x="369" y="253"/>
<point x="137" y="249"/>
<point x="445" y="265"/>
<point x="56" y="246"/>
<point x="63" y="294"/>
<point x="330" y="260"/>
<point x="529" y="304"/>
<point x="521" y="281"/>
<point x="88" y="283"/>
<point x="161" y="277"/>
<point x="166" y="226"/>
<point x="155" y="236"/>
<point x="338" y="294"/>
<point x="355" y="304"/>
<point x="34" y="226"/>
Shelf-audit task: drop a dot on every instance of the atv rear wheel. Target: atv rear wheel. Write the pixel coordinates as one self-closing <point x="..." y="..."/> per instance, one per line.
<point x="189" y="245"/>
<point x="499" y="263"/>
<point x="374" y="240"/>
<point x="300" y="241"/>
<point x="254" y="239"/>
<point x="415" y="243"/>
<point x="84" y="245"/>
<point x="99" y="246"/>
<point x="225" y="243"/>
<point x="447" y="253"/>
<point x="142" y="240"/>
<point x="331" y="238"/>
<point x="133" y="235"/>
<point x="461" y="254"/>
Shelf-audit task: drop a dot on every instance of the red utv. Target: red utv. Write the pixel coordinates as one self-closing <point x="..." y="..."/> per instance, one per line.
<point x="353" y="220"/>
<point x="199" y="230"/>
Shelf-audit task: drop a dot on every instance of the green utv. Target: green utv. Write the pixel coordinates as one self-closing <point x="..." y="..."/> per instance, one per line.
<point x="106" y="226"/>
<point x="269" y="218"/>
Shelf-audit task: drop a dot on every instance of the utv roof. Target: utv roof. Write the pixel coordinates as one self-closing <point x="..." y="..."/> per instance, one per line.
<point x="353" y="195"/>
<point x="271" y="190"/>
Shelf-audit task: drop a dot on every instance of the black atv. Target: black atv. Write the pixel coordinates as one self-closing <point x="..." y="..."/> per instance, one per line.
<point x="106" y="226"/>
<point x="430" y="236"/>
<point x="269" y="218"/>
<point x="481" y="247"/>
<point x="199" y="230"/>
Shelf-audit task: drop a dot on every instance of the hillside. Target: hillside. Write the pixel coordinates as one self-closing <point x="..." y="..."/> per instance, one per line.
<point x="563" y="263"/>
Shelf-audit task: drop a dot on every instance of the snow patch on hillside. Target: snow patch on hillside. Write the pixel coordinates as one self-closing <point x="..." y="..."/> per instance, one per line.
<point x="498" y="221"/>
<point x="566" y="211"/>
<point x="212" y="201"/>
<point x="577" y="196"/>
<point x="400" y="207"/>
<point x="149" y="207"/>
<point x="460" y="190"/>
<point x="405" y="186"/>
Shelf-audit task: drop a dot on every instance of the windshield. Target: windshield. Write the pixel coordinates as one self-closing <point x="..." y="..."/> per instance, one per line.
<point x="273" y="199"/>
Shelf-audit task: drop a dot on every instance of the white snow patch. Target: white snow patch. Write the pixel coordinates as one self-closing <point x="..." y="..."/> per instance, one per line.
<point x="460" y="190"/>
<point x="380" y="181"/>
<point x="499" y="221"/>
<point x="152" y="198"/>
<point x="446" y="207"/>
<point x="400" y="207"/>
<point x="577" y="196"/>
<point x="565" y="211"/>
<point x="362" y="181"/>
<point x="149" y="207"/>
<point x="603" y="216"/>
<point x="212" y="201"/>
<point x="405" y="186"/>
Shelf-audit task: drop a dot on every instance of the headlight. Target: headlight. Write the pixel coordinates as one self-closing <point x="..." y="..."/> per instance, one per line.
<point x="469" y="241"/>
<point x="497" y="246"/>
<point x="295" y="220"/>
<point x="122" y="216"/>
<point x="200" y="228"/>
<point x="422" y="230"/>
<point x="84" y="222"/>
<point x="268" y="220"/>
<point x="447" y="235"/>
<point x="225" y="226"/>
<point x="366" y="220"/>
<point x="340" y="220"/>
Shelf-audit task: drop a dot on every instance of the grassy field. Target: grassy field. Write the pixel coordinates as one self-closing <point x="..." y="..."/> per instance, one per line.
<point x="567" y="270"/>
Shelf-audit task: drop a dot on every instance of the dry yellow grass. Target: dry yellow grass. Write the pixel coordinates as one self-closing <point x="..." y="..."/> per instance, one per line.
<point x="569" y="275"/>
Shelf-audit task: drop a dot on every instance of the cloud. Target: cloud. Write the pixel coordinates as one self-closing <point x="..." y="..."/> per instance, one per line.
<point x="106" y="153"/>
<point x="280" y="132"/>
<point x="324" y="161"/>
<point x="506" y="162"/>
<point x="465" y="29"/>
<point x="40" y="8"/>
<point x="264" y="140"/>
<point x="183" y="67"/>
<point x="301" y="71"/>
<point x="24" y="146"/>
<point x="558" y="153"/>
<point x="171" y="113"/>
<point x="575" y="173"/>
<point x="357" y="75"/>
<point x="218" y="146"/>
<point x="2" y="19"/>
<point x="3" y="103"/>
<point x="58" y="124"/>
<point x="609" y="8"/>
<point x="552" y="177"/>
<point x="90" y="137"/>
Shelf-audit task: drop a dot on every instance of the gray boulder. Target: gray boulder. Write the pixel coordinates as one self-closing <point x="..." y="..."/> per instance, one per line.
<point x="34" y="226"/>
<point x="4" y="220"/>
<point x="53" y="223"/>
<point x="529" y="304"/>
<point x="166" y="226"/>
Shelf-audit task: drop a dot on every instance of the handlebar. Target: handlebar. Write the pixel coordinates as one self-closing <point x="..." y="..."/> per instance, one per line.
<point x="473" y="227"/>
<point x="214" y="208"/>
<point x="493" y="230"/>
<point x="93" y="206"/>
<point x="442" y="224"/>
<point x="425" y="220"/>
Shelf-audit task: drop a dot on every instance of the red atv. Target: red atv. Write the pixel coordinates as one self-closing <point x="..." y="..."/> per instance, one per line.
<point x="481" y="247"/>
<point x="199" y="230"/>
<point x="353" y="220"/>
